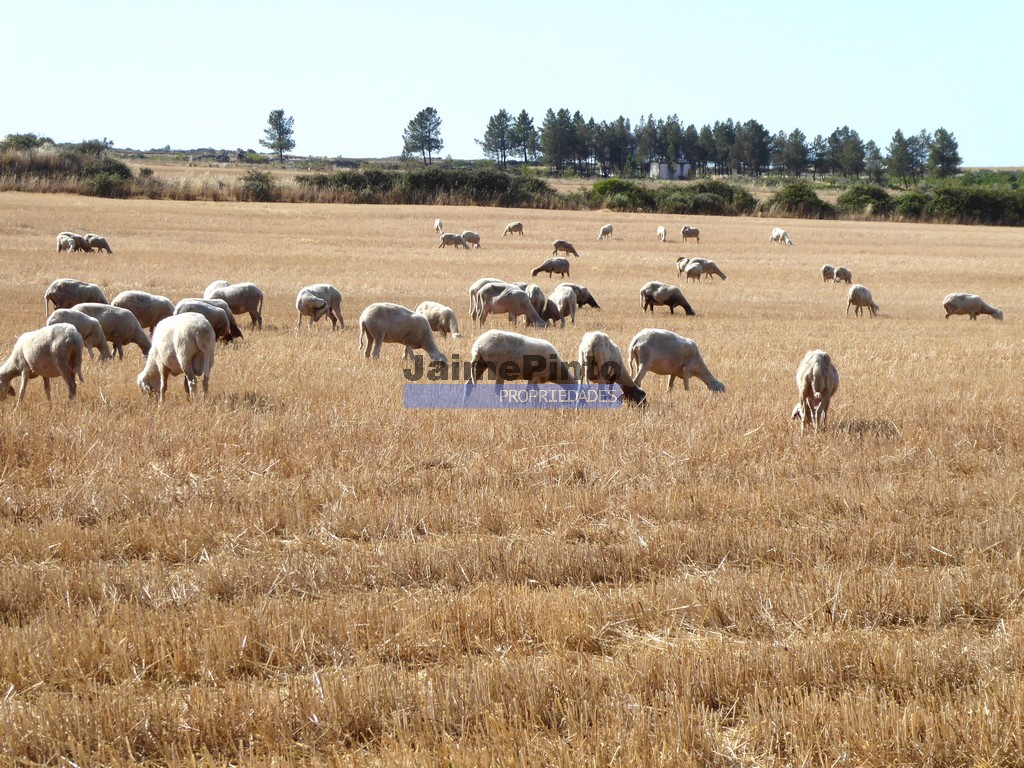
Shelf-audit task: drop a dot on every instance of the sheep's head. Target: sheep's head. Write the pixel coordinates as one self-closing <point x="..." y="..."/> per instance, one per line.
<point x="635" y="396"/>
<point x="6" y="390"/>
<point x="148" y="384"/>
<point x="997" y="314"/>
<point x="797" y="412"/>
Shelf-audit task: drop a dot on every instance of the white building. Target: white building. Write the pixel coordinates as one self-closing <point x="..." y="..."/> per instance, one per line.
<point x="662" y="171"/>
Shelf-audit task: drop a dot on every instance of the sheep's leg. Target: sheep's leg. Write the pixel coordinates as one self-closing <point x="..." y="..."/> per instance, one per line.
<point x="377" y="344"/>
<point x="644" y="367"/>
<point x="46" y="387"/>
<point x="163" y="383"/>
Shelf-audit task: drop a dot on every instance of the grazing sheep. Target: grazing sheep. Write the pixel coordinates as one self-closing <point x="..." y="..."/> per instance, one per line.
<point x="223" y="327"/>
<point x="969" y="304"/>
<point x="708" y="268"/>
<point x="655" y="294"/>
<point x="693" y="271"/>
<point x="182" y="345"/>
<point x="606" y="232"/>
<point x="564" y="246"/>
<point x="215" y="285"/>
<point x="97" y="242"/>
<point x="392" y="323"/>
<point x="515" y="226"/>
<point x="817" y="380"/>
<point x="583" y="296"/>
<point x="319" y="300"/>
<point x="119" y="325"/>
<point x="564" y="299"/>
<point x="80" y="243"/>
<point x="536" y="294"/>
<point x="88" y="328"/>
<point x="438" y="226"/>
<point x="662" y="234"/>
<point x="52" y="351"/>
<point x="513" y="357"/>
<point x="843" y="275"/>
<point x="241" y="297"/>
<point x="65" y="293"/>
<point x="475" y="298"/>
<point x="147" y="308"/>
<point x="441" y="318"/>
<point x="553" y="266"/>
<point x="512" y="301"/>
<point x="451" y="238"/>
<point x="828" y="273"/>
<point x="668" y="354"/>
<point x="549" y="312"/>
<point x="688" y="232"/>
<point x="236" y="332"/>
<point x="471" y="238"/>
<point x="779" y="235"/>
<point x="860" y="297"/>
<point x="601" y="363"/>
<point x="65" y="243"/>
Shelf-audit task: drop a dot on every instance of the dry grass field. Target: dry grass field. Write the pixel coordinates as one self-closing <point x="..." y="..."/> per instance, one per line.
<point x="298" y="570"/>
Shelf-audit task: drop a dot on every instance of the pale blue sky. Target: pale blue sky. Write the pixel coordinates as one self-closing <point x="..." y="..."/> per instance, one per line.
<point x="206" y="74"/>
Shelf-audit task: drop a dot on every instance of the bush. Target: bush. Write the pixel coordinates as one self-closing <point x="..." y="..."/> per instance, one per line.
<point x="865" y="197"/>
<point x="258" y="186"/>
<point x="799" y="200"/>
<point x="910" y="206"/>
<point x="107" y="185"/>
<point x="622" y="195"/>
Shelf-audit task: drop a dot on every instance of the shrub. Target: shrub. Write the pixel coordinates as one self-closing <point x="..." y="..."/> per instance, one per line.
<point x="105" y="184"/>
<point x="910" y="206"/>
<point x="864" y="197"/>
<point x="622" y="196"/>
<point x="258" y="186"/>
<point x="801" y="201"/>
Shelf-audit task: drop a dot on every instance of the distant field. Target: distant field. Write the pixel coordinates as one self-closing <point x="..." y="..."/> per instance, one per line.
<point x="299" y="569"/>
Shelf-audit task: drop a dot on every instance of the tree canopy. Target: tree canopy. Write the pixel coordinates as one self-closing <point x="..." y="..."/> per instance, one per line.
<point x="423" y="135"/>
<point x="278" y="134"/>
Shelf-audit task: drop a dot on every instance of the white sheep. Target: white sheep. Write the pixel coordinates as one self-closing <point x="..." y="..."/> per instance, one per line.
<point x="843" y="275"/>
<point x="662" y="233"/>
<point x="234" y="332"/>
<point x="182" y="345"/>
<point x="552" y="266"/>
<point x="860" y="297"/>
<point x="88" y="328"/>
<point x="119" y="326"/>
<point x="564" y="299"/>
<point x="241" y="297"/>
<point x="779" y="235"/>
<point x="693" y="271"/>
<point x="97" y="242"/>
<point x="584" y="298"/>
<point x="828" y="273"/>
<point x="817" y="380"/>
<point x="471" y="238"/>
<point x="655" y="294"/>
<point x="317" y="301"/>
<point x="515" y="226"/>
<point x="601" y="363"/>
<point x="392" y="323"/>
<point x="218" y="317"/>
<point x="65" y="243"/>
<point x="688" y="232"/>
<point x="708" y="268"/>
<point x="65" y="293"/>
<point x="148" y="308"/>
<point x="513" y="357"/>
<point x="474" y="298"/>
<point x="49" y="352"/>
<point x="80" y="243"/>
<point x="442" y="319"/>
<point x="438" y="226"/>
<point x="605" y="232"/>
<point x="668" y="354"/>
<point x="969" y="304"/>
<point x="563" y="246"/>
<point x="451" y="238"/>
<point x="511" y="301"/>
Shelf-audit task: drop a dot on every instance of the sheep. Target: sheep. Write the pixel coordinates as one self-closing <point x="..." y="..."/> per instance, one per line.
<point x="65" y="243"/>
<point x="241" y="297"/>
<point x="80" y="243"/>
<point x="552" y="266"/>
<point x="438" y="226"/>
<point x="969" y="304"/>
<point x="828" y="273"/>
<point x="536" y="294"/>
<point x="119" y="325"/>
<point x="474" y="294"/>
<point x="216" y="284"/>
<point x="860" y="297"/>
<point x="234" y="332"/>
<point x="779" y="235"/>
<point x="147" y="308"/>
<point x="471" y="238"/>
<point x="601" y="362"/>
<point x="51" y="351"/>
<point x="512" y="356"/>
<point x="668" y="354"/>
<point x="605" y="232"/>
<point x="564" y="246"/>
<point x="584" y="298"/>
<point x="511" y="300"/>
<point x="383" y="322"/>
<point x="688" y="232"/>
<point x="662" y="234"/>
<point x="564" y="299"/>
<point x="223" y="328"/>
<point x="319" y="300"/>
<point x="654" y="294"/>
<point x="97" y="242"/>
<point x="708" y="268"/>
<point x="817" y="381"/>
<point x="515" y="226"/>
<point x="88" y="328"/>
<point x="182" y="344"/>
<point x="843" y="275"/>
<point x="441" y="318"/>
<point x="65" y="293"/>
<point x="451" y="238"/>
<point x="693" y="271"/>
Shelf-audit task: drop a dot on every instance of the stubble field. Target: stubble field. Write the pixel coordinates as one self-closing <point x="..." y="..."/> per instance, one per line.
<point x="299" y="570"/>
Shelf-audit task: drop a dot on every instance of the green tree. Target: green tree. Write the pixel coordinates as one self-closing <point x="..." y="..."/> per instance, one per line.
<point x="918" y="147"/>
<point x="795" y="153"/>
<point x="849" y="154"/>
<point x="557" y="138"/>
<point x="874" y="165"/>
<point x="523" y="138"/>
<point x="423" y="135"/>
<point x="944" y="155"/>
<point x="497" y="140"/>
<point x="899" y="161"/>
<point x="24" y="141"/>
<point x="278" y="134"/>
<point x="752" y="147"/>
<point x="818" y="157"/>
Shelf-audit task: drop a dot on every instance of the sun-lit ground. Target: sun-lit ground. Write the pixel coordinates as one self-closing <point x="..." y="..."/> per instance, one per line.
<point x="299" y="568"/>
